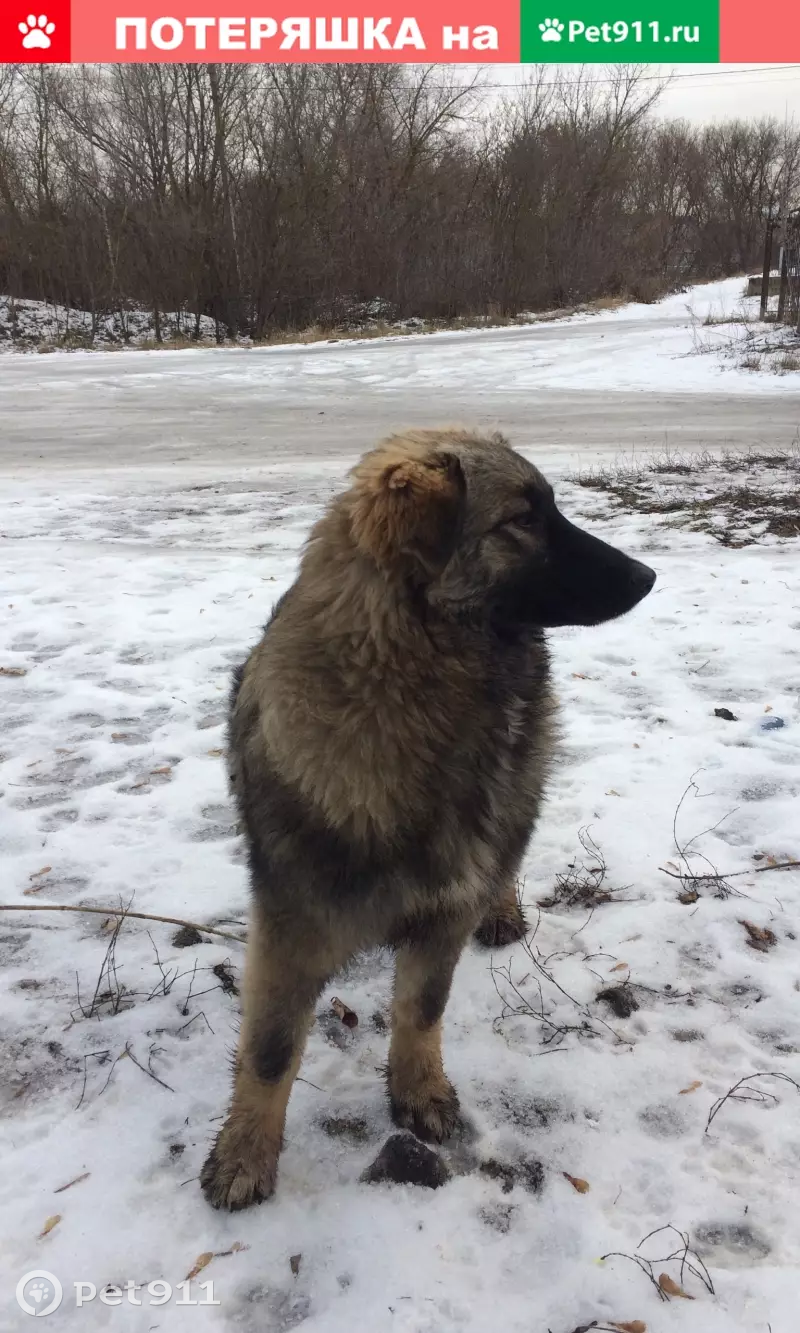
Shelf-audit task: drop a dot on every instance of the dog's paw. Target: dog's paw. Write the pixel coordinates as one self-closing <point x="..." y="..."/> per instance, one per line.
<point x="432" y="1116"/>
<point x="499" y="929"/>
<point x="231" y="1178"/>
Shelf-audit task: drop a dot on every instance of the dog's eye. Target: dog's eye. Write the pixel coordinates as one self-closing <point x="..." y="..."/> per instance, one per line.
<point x="526" y="520"/>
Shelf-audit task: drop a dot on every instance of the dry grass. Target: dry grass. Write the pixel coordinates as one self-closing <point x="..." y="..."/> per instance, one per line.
<point x="751" y="362"/>
<point x="334" y="333"/>
<point x="610" y="302"/>
<point x="697" y="492"/>
<point x="583" y="884"/>
<point x="787" y="362"/>
<point x="712" y="321"/>
<point x="178" y="342"/>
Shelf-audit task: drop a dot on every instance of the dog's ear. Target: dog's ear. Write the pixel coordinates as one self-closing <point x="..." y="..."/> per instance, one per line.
<point x="406" y="508"/>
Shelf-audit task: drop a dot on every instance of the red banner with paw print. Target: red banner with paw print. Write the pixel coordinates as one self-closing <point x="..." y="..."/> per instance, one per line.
<point x="35" y="36"/>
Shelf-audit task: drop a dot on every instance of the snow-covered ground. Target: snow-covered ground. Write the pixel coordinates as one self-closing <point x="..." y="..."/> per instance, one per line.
<point x="623" y="380"/>
<point x="633" y="347"/>
<point x="28" y="325"/>
<point x="127" y="594"/>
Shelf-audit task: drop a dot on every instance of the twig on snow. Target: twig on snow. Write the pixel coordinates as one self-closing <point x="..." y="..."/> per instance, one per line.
<point x="148" y="1070"/>
<point x="90" y="1055"/>
<point x="688" y="1258"/>
<point x="121" y="912"/>
<point x="728" y="874"/>
<point x="748" y="1094"/>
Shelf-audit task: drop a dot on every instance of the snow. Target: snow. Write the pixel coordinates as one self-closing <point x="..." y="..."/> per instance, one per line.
<point x="26" y="324"/>
<point x="632" y="348"/>
<point x="126" y="598"/>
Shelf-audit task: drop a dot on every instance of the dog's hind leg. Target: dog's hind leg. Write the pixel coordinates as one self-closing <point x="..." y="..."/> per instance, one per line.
<point x="505" y="922"/>
<point x="422" y="1097"/>
<point x="283" y="978"/>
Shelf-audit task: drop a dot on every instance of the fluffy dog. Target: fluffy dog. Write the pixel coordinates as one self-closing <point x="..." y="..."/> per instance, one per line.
<point x="389" y="744"/>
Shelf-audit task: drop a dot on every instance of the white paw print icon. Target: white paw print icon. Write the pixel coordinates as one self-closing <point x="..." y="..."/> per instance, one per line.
<point x="36" y="33"/>
<point x="551" y="30"/>
<point x="39" y="1293"/>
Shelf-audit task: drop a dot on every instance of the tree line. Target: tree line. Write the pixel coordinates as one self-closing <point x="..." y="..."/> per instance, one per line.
<point x="275" y="197"/>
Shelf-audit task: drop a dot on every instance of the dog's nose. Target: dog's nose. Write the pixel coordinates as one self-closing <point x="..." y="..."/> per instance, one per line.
<point x="642" y="578"/>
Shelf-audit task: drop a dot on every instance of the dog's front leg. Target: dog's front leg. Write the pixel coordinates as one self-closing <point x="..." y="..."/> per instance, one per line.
<point x="422" y="1097"/>
<point x="282" y="980"/>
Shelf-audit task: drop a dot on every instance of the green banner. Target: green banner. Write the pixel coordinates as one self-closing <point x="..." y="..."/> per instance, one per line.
<point x="603" y="31"/>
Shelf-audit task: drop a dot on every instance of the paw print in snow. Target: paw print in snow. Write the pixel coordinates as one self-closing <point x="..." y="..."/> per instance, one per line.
<point x="38" y="1292"/>
<point x="551" y="30"/>
<point x="36" y="32"/>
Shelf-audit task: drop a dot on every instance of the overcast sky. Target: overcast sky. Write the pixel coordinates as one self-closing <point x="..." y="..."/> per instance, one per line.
<point x="707" y="92"/>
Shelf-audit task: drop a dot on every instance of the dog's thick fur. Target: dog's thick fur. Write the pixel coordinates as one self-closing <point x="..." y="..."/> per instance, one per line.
<point x="389" y="742"/>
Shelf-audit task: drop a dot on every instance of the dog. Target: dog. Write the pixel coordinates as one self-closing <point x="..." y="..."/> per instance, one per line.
<point x="389" y="744"/>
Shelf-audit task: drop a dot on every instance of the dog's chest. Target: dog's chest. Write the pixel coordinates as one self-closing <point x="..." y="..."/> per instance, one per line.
<point x="517" y="718"/>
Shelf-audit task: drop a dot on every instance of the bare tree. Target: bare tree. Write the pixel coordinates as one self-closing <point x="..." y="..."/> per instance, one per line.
<point x="279" y="196"/>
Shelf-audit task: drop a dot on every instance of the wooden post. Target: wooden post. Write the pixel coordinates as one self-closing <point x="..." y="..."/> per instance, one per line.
<point x="794" y="288"/>
<point x="767" y="269"/>
<point x="783" y="286"/>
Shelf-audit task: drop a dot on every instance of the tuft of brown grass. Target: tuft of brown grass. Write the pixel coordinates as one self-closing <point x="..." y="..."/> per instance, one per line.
<point x="697" y="492"/>
<point x="178" y="342"/>
<point x="789" y="361"/>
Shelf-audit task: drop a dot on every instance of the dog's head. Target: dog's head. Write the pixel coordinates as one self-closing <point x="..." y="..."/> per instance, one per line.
<point x="476" y="526"/>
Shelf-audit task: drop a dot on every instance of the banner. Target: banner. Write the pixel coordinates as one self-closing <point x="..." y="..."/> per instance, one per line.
<point x="437" y="31"/>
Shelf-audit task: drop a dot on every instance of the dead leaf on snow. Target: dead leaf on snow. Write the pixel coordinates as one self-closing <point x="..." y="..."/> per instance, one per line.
<point x="13" y="671"/>
<point x="236" y="1248"/>
<point x="215" y="754"/>
<point x="48" y="1226"/>
<point x="671" y="1288"/>
<point x="70" y="1183"/>
<point x="120" y="735"/>
<point x="618" y="967"/>
<point x="45" y="870"/>
<point x="294" y="1263"/>
<point x="691" y="1088"/>
<point x="202" y="1261"/>
<point x="342" y="1011"/>
<point x="582" y="1186"/>
<point x="635" y="1326"/>
<point x="759" y="937"/>
<point x="611" y="792"/>
<point x="688" y="897"/>
<point x="165" y="768"/>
